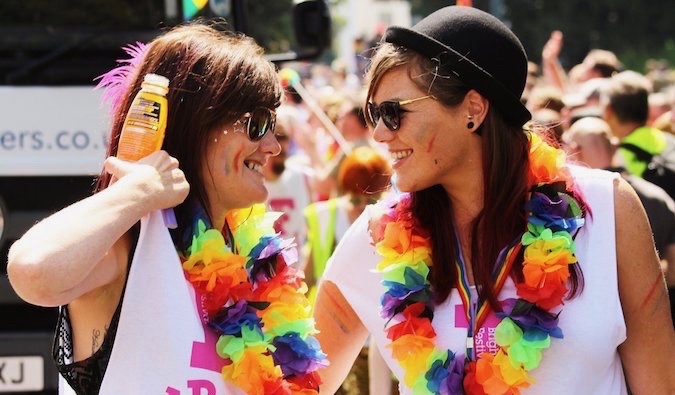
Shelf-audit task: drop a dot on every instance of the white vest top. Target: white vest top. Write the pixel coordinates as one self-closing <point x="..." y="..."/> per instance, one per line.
<point x="290" y="194"/>
<point x="161" y="346"/>
<point x="585" y="362"/>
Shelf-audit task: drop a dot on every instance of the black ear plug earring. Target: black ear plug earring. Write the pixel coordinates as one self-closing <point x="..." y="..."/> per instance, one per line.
<point x="470" y="124"/>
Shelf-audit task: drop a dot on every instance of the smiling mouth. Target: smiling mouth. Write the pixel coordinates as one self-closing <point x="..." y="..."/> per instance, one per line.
<point x="401" y="154"/>
<point x="255" y="166"/>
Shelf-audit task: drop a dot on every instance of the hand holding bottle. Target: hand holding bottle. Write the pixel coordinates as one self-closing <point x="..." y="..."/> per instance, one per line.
<point x="156" y="176"/>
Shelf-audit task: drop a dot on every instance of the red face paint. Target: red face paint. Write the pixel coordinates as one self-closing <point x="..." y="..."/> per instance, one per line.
<point x="655" y="286"/>
<point x="431" y="143"/>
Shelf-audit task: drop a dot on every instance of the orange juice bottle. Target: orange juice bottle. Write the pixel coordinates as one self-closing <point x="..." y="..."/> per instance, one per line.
<point x="145" y="123"/>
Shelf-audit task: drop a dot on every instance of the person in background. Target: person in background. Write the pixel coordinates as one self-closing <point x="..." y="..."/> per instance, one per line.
<point x="545" y="97"/>
<point x="288" y="181"/>
<point x="624" y="100"/>
<point x="488" y="273"/>
<point x="547" y="108"/>
<point x="666" y="121"/>
<point x="363" y="177"/>
<point x="659" y="104"/>
<point x="216" y="304"/>
<point x="533" y="80"/>
<point x="601" y="63"/>
<point x="598" y="63"/>
<point x="552" y="71"/>
<point x="552" y="120"/>
<point x="351" y="123"/>
<point x="589" y="141"/>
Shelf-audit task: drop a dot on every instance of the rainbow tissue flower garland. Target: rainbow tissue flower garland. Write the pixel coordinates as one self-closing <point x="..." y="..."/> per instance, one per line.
<point x="255" y="301"/>
<point x="527" y="323"/>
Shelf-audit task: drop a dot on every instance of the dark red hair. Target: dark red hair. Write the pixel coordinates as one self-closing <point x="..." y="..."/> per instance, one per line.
<point x="364" y="172"/>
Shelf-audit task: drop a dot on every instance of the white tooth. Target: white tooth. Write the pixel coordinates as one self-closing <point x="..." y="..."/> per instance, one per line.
<point x="401" y="154"/>
<point x="255" y="167"/>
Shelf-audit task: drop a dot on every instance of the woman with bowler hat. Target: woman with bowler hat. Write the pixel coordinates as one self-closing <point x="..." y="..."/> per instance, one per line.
<point x="500" y="268"/>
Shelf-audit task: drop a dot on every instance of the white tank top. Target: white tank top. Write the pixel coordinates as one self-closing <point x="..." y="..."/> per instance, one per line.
<point x="161" y="346"/>
<point x="586" y="361"/>
<point x="290" y="194"/>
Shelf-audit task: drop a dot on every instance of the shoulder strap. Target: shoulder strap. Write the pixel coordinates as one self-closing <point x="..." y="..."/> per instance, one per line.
<point x="640" y="154"/>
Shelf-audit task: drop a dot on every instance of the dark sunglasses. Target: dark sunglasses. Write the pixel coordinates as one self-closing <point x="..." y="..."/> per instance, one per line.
<point x="389" y="111"/>
<point x="258" y="122"/>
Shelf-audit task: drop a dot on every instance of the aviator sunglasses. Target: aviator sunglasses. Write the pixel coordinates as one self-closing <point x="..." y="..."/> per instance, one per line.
<point x="257" y="122"/>
<point x="389" y="111"/>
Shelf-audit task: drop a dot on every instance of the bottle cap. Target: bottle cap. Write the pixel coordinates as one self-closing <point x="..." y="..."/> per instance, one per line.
<point x="156" y="79"/>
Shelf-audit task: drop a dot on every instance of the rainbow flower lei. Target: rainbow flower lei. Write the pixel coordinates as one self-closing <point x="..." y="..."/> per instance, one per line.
<point x="255" y="301"/>
<point x="527" y="323"/>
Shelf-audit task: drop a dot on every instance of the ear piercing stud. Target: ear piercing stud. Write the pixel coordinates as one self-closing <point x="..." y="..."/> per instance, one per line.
<point x="470" y="124"/>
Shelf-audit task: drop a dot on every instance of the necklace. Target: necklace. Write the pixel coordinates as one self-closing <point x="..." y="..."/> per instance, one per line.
<point x="527" y="323"/>
<point x="255" y="301"/>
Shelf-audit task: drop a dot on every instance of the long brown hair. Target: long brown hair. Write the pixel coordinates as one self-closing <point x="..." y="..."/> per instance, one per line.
<point x="215" y="77"/>
<point x="505" y="164"/>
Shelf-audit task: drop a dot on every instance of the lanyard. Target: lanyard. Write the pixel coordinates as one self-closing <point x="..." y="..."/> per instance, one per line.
<point x="478" y="312"/>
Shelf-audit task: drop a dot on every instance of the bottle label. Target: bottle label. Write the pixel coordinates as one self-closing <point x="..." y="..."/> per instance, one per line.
<point x="141" y="129"/>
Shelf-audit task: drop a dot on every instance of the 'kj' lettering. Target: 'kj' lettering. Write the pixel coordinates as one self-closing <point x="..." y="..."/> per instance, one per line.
<point x="15" y="379"/>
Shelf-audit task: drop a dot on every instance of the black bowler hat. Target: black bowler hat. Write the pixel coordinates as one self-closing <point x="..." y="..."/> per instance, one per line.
<point x="479" y="50"/>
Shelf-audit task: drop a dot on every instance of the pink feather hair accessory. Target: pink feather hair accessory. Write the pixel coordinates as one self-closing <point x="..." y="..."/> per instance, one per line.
<point x="117" y="81"/>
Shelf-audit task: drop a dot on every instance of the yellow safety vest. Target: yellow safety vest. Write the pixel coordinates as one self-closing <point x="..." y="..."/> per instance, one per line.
<point x="321" y="249"/>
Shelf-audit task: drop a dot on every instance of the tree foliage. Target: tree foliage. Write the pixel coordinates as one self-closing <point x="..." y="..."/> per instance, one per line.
<point x="634" y="30"/>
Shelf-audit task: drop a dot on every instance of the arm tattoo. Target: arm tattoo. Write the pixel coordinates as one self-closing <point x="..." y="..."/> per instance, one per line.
<point x="96" y="340"/>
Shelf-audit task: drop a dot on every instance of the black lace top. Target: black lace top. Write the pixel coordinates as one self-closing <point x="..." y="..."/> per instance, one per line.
<point x="85" y="376"/>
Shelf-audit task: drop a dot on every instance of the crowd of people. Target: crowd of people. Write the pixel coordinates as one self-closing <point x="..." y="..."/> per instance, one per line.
<point x="577" y="108"/>
<point x="637" y="107"/>
<point x="454" y="233"/>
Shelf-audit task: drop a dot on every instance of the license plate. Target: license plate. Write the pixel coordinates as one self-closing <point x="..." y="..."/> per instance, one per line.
<point x="21" y="374"/>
